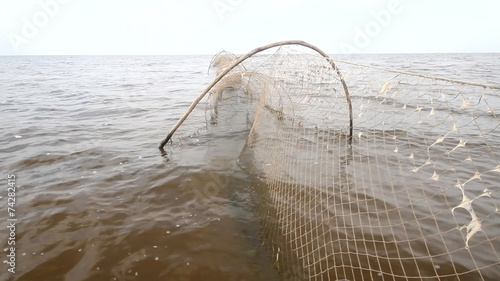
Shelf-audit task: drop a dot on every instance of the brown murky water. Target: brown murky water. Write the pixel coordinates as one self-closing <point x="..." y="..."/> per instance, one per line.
<point x="96" y="200"/>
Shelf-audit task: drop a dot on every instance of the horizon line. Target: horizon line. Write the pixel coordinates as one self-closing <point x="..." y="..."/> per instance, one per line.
<point x="201" y="54"/>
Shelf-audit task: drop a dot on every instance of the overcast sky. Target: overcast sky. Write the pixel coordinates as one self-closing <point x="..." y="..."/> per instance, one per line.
<point x="58" y="27"/>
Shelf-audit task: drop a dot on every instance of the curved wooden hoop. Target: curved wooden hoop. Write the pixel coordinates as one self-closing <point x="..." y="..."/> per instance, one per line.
<point x="243" y="58"/>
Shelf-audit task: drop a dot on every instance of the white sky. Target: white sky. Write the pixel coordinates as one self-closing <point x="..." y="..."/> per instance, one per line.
<point x="59" y="27"/>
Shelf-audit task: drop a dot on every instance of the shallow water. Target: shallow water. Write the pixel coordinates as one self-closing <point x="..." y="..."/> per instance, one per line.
<point x="95" y="198"/>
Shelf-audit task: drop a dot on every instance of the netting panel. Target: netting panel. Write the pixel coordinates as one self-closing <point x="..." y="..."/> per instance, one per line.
<point x="425" y="150"/>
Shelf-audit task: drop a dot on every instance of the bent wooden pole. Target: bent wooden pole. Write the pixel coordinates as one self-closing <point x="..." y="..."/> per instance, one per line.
<point x="243" y="58"/>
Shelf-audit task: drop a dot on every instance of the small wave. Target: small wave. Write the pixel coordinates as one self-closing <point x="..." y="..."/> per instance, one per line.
<point x="58" y="91"/>
<point x="128" y="85"/>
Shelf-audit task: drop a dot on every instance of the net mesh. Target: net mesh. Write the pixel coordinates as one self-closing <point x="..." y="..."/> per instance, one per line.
<point x="413" y="195"/>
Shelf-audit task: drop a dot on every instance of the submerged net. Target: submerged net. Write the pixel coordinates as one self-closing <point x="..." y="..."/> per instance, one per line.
<point x="410" y="194"/>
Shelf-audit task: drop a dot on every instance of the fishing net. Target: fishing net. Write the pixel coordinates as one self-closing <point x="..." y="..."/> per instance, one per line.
<point x="361" y="173"/>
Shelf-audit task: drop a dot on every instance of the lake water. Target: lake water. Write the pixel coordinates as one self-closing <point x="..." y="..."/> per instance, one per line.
<point x="97" y="200"/>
